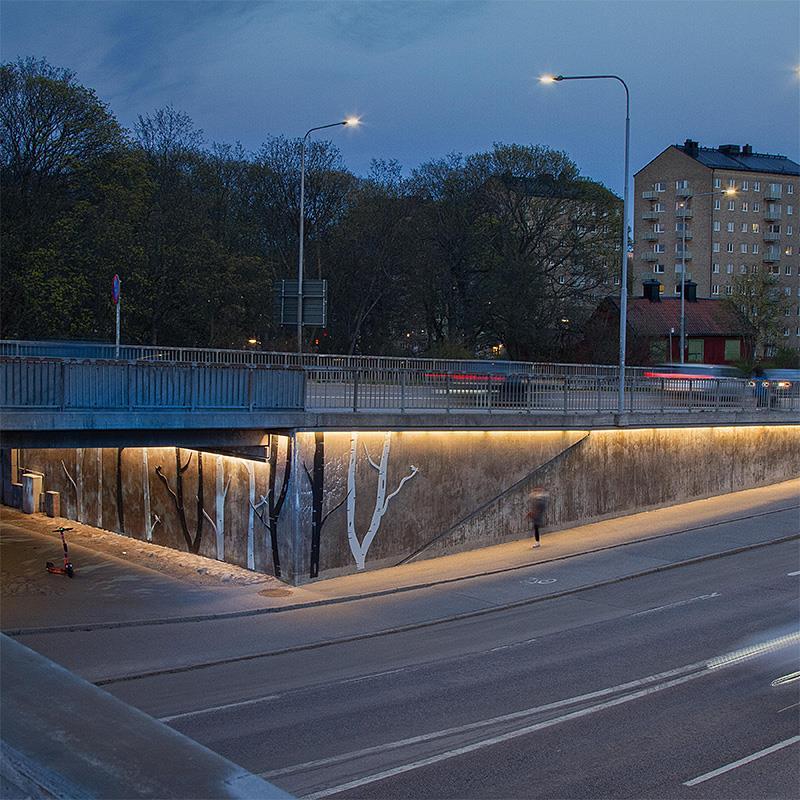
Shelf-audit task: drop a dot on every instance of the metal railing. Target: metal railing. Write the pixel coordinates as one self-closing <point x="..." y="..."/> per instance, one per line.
<point x="49" y="384"/>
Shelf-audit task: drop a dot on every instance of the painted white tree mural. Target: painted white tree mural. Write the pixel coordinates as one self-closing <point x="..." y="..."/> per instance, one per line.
<point x="359" y="549"/>
<point x="251" y="499"/>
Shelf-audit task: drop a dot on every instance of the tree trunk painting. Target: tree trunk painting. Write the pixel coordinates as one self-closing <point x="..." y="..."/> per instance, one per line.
<point x="251" y="475"/>
<point x="358" y="548"/>
<point x="99" y="461"/>
<point x="148" y="529"/>
<point x="219" y="517"/>
<point x="120" y="496"/>
<point x="77" y="483"/>
<point x="192" y="544"/>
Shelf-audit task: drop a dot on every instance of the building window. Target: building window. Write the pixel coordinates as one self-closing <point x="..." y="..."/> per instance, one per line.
<point x="789" y="188"/>
<point x="774" y="269"/>
<point x="788" y="230"/>
<point x="659" y="268"/>
<point x="787" y="251"/>
<point x="717" y="205"/>
<point x="717" y="183"/>
<point x="658" y="207"/>
<point x="661" y="186"/>
<point x="755" y="227"/>
<point x="659" y="248"/>
<point x="729" y="290"/>
<point x="742" y="248"/>
<point x="743" y="269"/>
<point x="715" y="268"/>
<point x="715" y="289"/>
<point x="756" y="207"/>
<point x="787" y="290"/>
<point x="731" y="183"/>
<point x="733" y="350"/>
<point x="716" y="225"/>
<point x="745" y="186"/>
<point x="785" y="331"/>
<point x="775" y="188"/>
<point x="756" y="186"/>
<point x="658" y="228"/>
<point x="789" y="211"/>
<point x="729" y="226"/>
<point x="715" y="247"/>
<point x="787" y="270"/>
<point x="731" y="205"/>
<point x="755" y="249"/>
<point x="677" y="289"/>
<point x="754" y="269"/>
<point x="744" y="227"/>
<point x="562" y="280"/>
<point x="773" y="227"/>
<point x="744" y="206"/>
<point x="679" y="227"/>
<point x="729" y="269"/>
<point x="682" y="184"/>
<point x="730" y="247"/>
<point x="696" y="350"/>
<point x="616" y="280"/>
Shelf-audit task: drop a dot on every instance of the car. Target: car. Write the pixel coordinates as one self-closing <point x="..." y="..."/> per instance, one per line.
<point x="701" y="382"/>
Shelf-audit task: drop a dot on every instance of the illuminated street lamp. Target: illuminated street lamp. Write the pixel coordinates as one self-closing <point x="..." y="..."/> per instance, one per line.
<point x="349" y="122"/>
<point x="623" y="300"/>
<point x="729" y="191"/>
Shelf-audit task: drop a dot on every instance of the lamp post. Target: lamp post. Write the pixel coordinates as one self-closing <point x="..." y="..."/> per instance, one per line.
<point x="623" y="300"/>
<point x="350" y="121"/>
<point x="683" y="268"/>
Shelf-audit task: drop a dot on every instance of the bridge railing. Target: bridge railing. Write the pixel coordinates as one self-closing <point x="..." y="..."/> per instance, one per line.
<point x="31" y="383"/>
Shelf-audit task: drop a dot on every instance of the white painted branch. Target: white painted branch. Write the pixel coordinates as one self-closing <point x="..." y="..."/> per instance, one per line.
<point x="366" y="453"/>
<point x="75" y="487"/>
<point x="99" y="456"/>
<point x="79" y="481"/>
<point x="151" y="528"/>
<point x="221" y="494"/>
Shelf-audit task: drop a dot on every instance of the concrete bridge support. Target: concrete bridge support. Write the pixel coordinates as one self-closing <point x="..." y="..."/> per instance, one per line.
<point x="325" y="503"/>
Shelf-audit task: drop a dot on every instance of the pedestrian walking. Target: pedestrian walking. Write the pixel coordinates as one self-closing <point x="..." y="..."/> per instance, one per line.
<point x="539" y="499"/>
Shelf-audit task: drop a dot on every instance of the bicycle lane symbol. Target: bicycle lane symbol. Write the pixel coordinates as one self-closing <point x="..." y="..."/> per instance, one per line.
<point x="540" y="580"/>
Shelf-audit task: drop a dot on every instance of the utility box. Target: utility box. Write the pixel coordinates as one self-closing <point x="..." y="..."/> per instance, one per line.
<point x="52" y="504"/>
<point x="31" y="489"/>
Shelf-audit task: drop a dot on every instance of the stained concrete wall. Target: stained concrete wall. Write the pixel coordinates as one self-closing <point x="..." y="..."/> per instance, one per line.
<point x="383" y="497"/>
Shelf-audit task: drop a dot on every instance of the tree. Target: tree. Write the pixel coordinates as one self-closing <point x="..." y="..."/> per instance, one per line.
<point x="759" y="299"/>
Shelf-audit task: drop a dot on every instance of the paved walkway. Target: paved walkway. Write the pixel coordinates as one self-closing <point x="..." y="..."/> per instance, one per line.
<point x="120" y="580"/>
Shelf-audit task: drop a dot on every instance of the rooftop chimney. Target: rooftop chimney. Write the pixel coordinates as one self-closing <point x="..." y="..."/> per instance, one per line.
<point x="747" y="150"/>
<point x="652" y="290"/>
<point x="729" y="149"/>
<point x="691" y="148"/>
<point x="691" y="292"/>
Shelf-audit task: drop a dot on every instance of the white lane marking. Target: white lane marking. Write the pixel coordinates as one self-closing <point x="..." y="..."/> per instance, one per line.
<point x="742" y="761"/>
<point x="513" y="644"/>
<point x="790" y="678"/>
<point x="696" y="670"/>
<point x="486" y="722"/>
<point x="793" y="705"/>
<point x="459" y="751"/>
<point x="677" y="604"/>
<point x="792" y="574"/>
<point x="223" y="707"/>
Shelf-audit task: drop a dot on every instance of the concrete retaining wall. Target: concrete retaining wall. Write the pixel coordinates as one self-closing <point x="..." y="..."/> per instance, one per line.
<point x="344" y="501"/>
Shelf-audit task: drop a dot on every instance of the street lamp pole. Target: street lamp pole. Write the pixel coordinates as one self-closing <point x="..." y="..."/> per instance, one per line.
<point x="348" y="121"/>
<point x="623" y="299"/>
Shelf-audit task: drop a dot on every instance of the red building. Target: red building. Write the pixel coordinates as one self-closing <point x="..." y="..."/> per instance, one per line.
<point x="715" y="332"/>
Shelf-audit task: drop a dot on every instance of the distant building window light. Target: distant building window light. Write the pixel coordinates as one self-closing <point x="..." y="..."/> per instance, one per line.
<point x="755" y="227"/>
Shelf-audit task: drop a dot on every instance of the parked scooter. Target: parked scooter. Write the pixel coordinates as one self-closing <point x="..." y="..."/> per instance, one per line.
<point x="68" y="569"/>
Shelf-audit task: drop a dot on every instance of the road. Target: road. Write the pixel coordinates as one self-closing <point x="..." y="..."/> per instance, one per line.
<point x="679" y="683"/>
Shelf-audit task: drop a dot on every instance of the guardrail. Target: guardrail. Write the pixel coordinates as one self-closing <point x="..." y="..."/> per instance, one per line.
<point x="29" y="383"/>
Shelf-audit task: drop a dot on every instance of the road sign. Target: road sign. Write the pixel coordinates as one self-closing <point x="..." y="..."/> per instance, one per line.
<point x="115" y="288"/>
<point x="315" y="303"/>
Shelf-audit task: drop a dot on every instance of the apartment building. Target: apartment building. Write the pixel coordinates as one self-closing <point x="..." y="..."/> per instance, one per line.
<point x="682" y="215"/>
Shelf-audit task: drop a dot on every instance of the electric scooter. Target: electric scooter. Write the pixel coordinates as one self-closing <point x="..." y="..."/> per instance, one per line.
<point x="67" y="569"/>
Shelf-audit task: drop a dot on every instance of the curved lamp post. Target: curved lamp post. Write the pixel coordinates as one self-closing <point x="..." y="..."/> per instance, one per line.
<point x="623" y="300"/>
<point x="683" y="269"/>
<point x="351" y="122"/>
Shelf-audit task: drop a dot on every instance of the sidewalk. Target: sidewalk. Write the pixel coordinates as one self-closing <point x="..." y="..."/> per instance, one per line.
<point x="122" y="580"/>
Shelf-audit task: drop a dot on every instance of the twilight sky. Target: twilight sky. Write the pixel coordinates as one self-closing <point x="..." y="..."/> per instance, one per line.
<point x="429" y="78"/>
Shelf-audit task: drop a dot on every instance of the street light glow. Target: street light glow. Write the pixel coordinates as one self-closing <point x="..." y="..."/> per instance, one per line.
<point x="549" y="78"/>
<point x="352" y="121"/>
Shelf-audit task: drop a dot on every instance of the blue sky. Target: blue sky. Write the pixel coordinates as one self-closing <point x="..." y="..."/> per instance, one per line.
<point x="430" y="78"/>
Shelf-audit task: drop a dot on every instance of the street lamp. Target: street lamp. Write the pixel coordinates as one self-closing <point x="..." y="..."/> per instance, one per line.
<point x="623" y="300"/>
<point x="349" y="122"/>
<point x="729" y="191"/>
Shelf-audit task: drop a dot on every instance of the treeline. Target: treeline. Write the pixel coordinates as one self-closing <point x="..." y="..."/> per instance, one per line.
<point x="509" y="247"/>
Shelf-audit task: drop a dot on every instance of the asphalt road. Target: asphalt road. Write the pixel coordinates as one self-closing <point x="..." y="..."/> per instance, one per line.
<point x="676" y="684"/>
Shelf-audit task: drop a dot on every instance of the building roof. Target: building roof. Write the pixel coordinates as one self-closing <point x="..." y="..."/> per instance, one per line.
<point x="705" y="317"/>
<point x="742" y="159"/>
